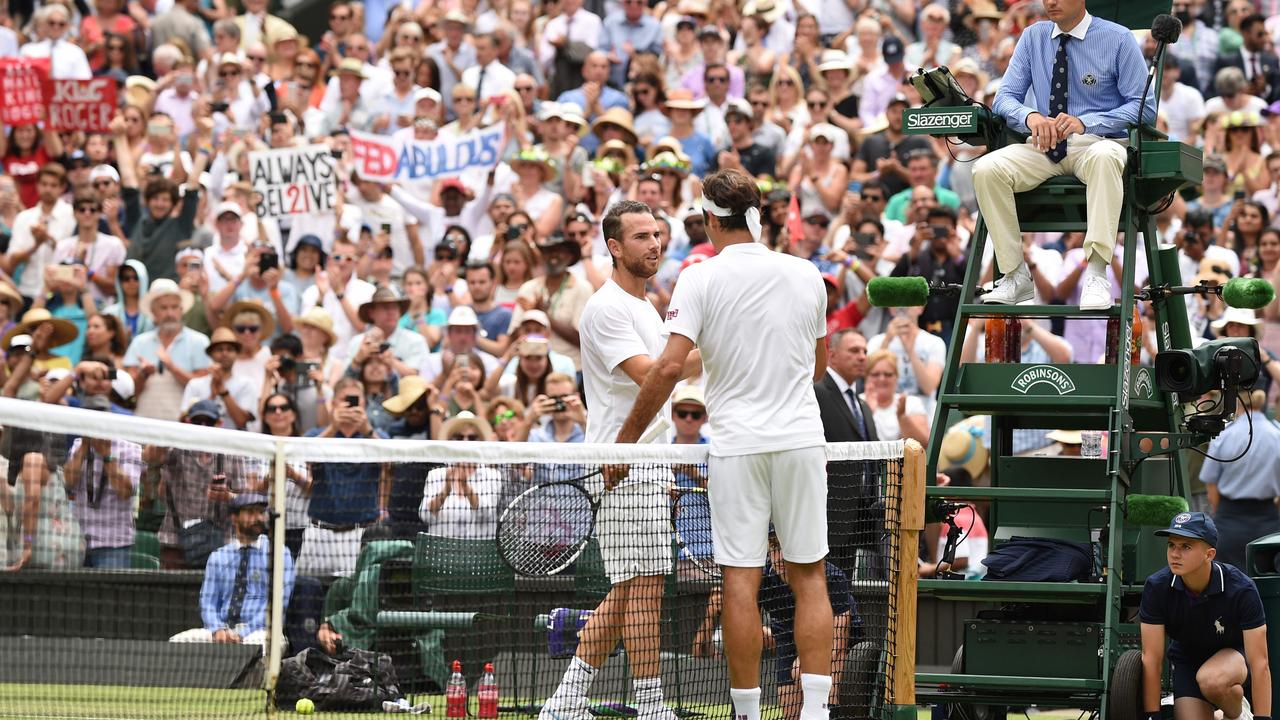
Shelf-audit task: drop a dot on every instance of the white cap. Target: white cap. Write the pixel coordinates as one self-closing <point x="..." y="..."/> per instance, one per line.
<point x="123" y="385"/>
<point x="56" y="374"/>
<point x="536" y="316"/>
<point x="463" y="315"/>
<point x="427" y="93"/>
<point x="828" y="131"/>
<point x="228" y="58"/>
<point x="227" y="206"/>
<point x="104" y="171"/>
<point x="20" y="341"/>
<point x="689" y="394"/>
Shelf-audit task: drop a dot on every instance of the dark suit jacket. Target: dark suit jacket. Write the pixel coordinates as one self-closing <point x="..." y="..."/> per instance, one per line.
<point x="1270" y="69"/>
<point x="837" y="418"/>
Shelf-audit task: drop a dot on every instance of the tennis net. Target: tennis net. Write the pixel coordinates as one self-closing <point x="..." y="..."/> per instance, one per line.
<point x="421" y="553"/>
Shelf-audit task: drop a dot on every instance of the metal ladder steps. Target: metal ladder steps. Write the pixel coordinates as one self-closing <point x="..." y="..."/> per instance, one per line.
<point x="1035" y="311"/>
<point x="1013" y="591"/>
<point x="1019" y="493"/>
<point x="1011" y="683"/>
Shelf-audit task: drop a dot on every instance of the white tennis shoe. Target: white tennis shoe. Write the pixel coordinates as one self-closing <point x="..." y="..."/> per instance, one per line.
<point x="1012" y="289"/>
<point x="1095" y="293"/>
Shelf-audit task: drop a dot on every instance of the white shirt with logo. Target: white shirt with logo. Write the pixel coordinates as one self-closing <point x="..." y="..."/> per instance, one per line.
<point x="757" y="316"/>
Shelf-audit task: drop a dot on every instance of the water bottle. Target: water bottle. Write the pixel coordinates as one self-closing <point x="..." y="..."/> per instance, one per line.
<point x="455" y="696"/>
<point x="487" y="692"/>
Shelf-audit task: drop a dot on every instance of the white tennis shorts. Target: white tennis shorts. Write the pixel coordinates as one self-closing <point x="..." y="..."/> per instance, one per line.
<point x="634" y="525"/>
<point x="788" y="487"/>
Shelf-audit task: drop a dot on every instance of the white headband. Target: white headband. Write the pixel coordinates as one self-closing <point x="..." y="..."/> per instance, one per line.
<point x="752" y="215"/>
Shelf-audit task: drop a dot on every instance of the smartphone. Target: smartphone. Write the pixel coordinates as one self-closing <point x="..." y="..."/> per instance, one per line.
<point x="352" y="400"/>
<point x="217" y="482"/>
<point x="195" y="264"/>
<point x="386" y="228"/>
<point x="268" y="261"/>
<point x="278" y="118"/>
<point x="384" y="347"/>
<point x="462" y="361"/>
<point x="336" y="153"/>
<point x="560" y="405"/>
<point x="939" y="231"/>
<point x="159" y="128"/>
<point x="63" y="273"/>
<point x="111" y="374"/>
<point x="219" y="107"/>
<point x="1239" y="195"/>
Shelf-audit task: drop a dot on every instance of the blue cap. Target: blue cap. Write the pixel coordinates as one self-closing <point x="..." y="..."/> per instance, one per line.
<point x="1193" y="525"/>
<point x="892" y="49"/>
<point x="245" y="500"/>
<point x="204" y="408"/>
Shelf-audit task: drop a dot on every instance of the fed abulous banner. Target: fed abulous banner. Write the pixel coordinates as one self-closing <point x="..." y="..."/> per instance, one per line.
<point x="383" y="159"/>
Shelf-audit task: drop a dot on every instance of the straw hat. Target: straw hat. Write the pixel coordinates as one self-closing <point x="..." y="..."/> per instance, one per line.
<point x="1213" y="270"/>
<point x="535" y="156"/>
<point x="694" y="7"/>
<point x="160" y="288"/>
<point x="64" y="331"/>
<point x="682" y="99"/>
<point x="351" y="66"/>
<point x="1241" y="316"/>
<point x="835" y="60"/>
<point x="628" y="152"/>
<point x="412" y="387"/>
<point x="558" y="239"/>
<point x="385" y="294"/>
<point x="962" y="446"/>
<point x="463" y="420"/>
<point x="318" y="318"/>
<point x="620" y="118"/>
<point x="767" y="10"/>
<point x="222" y="336"/>
<point x="10" y="297"/>
<point x="255" y="307"/>
<point x="969" y="66"/>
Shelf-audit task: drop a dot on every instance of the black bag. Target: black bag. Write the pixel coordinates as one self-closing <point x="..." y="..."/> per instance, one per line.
<point x="199" y="540"/>
<point x="360" y="680"/>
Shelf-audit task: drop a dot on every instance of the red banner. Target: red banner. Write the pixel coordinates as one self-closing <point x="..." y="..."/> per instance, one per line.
<point x="22" y="90"/>
<point x="85" y="105"/>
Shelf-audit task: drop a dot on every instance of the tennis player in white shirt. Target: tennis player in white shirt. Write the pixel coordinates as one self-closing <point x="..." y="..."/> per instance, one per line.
<point x="758" y="318"/>
<point x="621" y="334"/>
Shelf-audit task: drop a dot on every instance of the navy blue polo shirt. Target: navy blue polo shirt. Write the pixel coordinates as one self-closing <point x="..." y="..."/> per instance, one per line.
<point x="1200" y="625"/>
<point x="345" y="493"/>
<point x="777" y="599"/>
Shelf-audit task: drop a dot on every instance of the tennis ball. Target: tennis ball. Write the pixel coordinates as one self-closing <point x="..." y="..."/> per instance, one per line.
<point x="305" y="706"/>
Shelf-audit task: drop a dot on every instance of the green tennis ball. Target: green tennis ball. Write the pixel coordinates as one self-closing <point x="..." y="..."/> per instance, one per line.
<point x="305" y="706"/>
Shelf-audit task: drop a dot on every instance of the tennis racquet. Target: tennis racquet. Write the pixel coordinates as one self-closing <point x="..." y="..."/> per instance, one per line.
<point x="546" y="528"/>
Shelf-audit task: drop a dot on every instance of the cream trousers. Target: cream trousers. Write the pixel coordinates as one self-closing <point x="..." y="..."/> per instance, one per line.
<point x="1098" y="162"/>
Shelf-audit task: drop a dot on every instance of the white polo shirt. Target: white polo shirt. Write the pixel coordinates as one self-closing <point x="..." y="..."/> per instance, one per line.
<point x="615" y="327"/>
<point x="757" y="316"/>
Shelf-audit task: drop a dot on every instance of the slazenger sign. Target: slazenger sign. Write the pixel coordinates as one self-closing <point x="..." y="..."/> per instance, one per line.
<point x="934" y="120"/>
<point x="1043" y="375"/>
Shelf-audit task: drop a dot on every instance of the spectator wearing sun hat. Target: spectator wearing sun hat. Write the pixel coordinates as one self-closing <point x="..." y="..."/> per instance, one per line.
<point x="162" y="361"/>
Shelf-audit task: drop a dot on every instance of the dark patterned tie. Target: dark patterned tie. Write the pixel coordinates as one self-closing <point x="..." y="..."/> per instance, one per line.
<point x="1058" y="95"/>
<point x="857" y="413"/>
<point x="240" y="588"/>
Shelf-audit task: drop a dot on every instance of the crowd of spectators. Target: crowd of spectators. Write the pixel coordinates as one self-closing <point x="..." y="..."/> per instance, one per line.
<point x="137" y="275"/>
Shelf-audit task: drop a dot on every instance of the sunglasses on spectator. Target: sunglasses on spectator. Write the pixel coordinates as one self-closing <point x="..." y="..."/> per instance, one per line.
<point x="525" y="89"/>
<point x="229" y="73"/>
<point x="88" y="208"/>
<point x="873" y="198"/>
<point x="503" y="416"/>
<point x="818" y="221"/>
<point x="786" y="81"/>
<point x="257" y="58"/>
<point x="244" y="329"/>
<point x="718" y="79"/>
<point x="57" y="23"/>
<point x="341" y="257"/>
<point x="466" y="436"/>
<point x="403" y="73"/>
<point x="816" y="103"/>
<point x="281" y="409"/>
<point x="690" y="414"/>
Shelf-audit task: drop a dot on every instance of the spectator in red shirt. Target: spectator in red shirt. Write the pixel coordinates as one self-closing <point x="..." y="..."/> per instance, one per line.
<point x="94" y="28"/>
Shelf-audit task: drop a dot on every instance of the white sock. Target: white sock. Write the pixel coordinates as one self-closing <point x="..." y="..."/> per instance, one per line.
<point x="817" y="688"/>
<point x="576" y="682"/>
<point x="746" y="703"/>
<point x="1021" y="271"/>
<point x="1097" y="266"/>
<point x="648" y="693"/>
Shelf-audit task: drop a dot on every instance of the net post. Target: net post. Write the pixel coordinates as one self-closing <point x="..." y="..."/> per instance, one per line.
<point x="275" y="639"/>
<point x="902" y="686"/>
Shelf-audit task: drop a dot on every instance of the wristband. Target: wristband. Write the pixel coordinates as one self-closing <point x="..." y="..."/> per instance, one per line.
<point x="1262" y="717"/>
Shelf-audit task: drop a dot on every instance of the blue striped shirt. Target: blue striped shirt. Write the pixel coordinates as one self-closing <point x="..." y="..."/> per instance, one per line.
<point x="220" y="581"/>
<point x="1105" y="70"/>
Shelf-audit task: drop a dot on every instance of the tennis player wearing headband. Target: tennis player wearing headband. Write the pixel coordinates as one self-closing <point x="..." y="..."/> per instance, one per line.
<point x="759" y="318"/>
<point x="621" y="334"/>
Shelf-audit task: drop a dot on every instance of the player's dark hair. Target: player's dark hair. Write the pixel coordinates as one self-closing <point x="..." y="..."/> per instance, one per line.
<point x="161" y="186"/>
<point x="735" y="191"/>
<point x="612" y="222"/>
<point x="287" y="342"/>
<point x="1198" y="218"/>
<point x="1250" y="20"/>
<point x="942" y="211"/>
<point x="482" y="265"/>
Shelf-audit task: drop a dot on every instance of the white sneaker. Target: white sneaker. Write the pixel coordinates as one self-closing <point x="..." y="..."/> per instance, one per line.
<point x="1012" y="289"/>
<point x="565" y="709"/>
<point x="1095" y="293"/>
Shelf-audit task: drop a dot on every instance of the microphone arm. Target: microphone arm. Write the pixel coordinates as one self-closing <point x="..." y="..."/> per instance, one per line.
<point x="1165" y="29"/>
